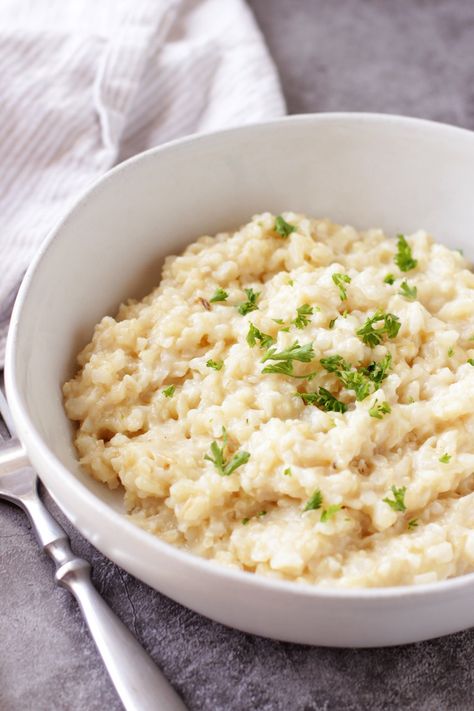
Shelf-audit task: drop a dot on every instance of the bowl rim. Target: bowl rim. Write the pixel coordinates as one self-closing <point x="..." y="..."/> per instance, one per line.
<point x="83" y="494"/>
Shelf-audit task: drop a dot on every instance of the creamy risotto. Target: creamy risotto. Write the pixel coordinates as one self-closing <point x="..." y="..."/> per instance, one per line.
<point x="294" y="399"/>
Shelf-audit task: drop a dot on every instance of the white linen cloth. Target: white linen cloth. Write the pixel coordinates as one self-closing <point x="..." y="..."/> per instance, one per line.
<point x="85" y="84"/>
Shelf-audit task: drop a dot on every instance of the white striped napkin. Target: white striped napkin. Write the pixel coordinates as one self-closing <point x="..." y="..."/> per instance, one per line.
<point x="85" y="84"/>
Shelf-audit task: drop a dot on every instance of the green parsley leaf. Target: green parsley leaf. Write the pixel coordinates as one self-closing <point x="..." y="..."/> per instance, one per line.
<point x="278" y="320"/>
<point x="335" y="363"/>
<point x="216" y="364"/>
<point x="323" y="399"/>
<point x="219" y="295"/>
<point x="245" y="521"/>
<point x="238" y="459"/>
<point x="283" y="228"/>
<point x="412" y="524"/>
<point x="261" y="513"/>
<point x="392" y="325"/>
<point x="445" y="459"/>
<point x="315" y="502"/>
<point x="379" y="410"/>
<point x="470" y="361"/>
<point x="351" y="379"/>
<point x="450" y="352"/>
<point x="169" y="391"/>
<point x="303" y="312"/>
<point x="374" y="336"/>
<point x="398" y="501"/>
<point x="331" y="323"/>
<point x="377" y="372"/>
<point x="389" y="279"/>
<point x="304" y="354"/>
<point x="404" y="258"/>
<point x="328" y="513"/>
<point x="287" y="472"/>
<point x="290" y="282"/>
<point x="217" y="457"/>
<point x="251" y="303"/>
<point x="340" y="280"/>
<point x="283" y="367"/>
<point x="407" y="291"/>
<point x="357" y="381"/>
<point x="255" y="335"/>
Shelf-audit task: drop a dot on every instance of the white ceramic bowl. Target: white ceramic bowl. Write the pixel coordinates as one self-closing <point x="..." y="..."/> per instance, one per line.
<point x="367" y="170"/>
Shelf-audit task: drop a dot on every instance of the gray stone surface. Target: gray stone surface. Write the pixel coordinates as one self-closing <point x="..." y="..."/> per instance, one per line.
<point x="411" y="57"/>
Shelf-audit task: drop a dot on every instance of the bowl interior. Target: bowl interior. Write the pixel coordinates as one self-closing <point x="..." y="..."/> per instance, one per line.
<point x="399" y="174"/>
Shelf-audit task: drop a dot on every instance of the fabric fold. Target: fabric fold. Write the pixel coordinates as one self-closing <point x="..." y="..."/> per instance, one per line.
<point x="85" y="85"/>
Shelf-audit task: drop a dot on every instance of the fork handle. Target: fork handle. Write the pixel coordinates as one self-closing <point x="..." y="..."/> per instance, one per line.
<point x="138" y="681"/>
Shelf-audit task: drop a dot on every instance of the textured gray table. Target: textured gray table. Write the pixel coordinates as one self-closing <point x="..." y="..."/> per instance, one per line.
<point x="408" y="57"/>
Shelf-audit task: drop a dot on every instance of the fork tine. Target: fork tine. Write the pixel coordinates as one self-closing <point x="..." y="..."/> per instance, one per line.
<point x="5" y="412"/>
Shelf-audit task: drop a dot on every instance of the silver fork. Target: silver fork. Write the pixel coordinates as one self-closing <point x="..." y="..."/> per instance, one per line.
<point x="139" y="683"/>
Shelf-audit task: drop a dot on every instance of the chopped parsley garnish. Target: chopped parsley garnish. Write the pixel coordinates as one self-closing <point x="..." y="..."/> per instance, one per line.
<point x="378" y="410"/>
<point x="328" y="513"/>
<point x="225" y="467"/>
<point x="255" y="335"/>
<point x="323" y="399"/>
<point x="285" y="367"/>
<point x="389" y="279"/>
<point x="287" y="471"/>
<point x="219" y="295"/>
<point x="357" y="381"/>
<point x="245" y="521"/>
<point x="169" y="391"/>
<point x="290" y="282"/>
<point x="251" y="303"/>
<point x="303" y="312"/>
<point x="285" y="359"/>
<point x="412" y="524"/>
<point x="216" y="364"/>
<point x="398" y="501"/>
<point x="331" y="323"/>
<point x="445" y="459"/>
<point x="315" y="502"/>
<point x="404" y="258"/>
<point x="340" y="280"/>
<point x="374" y="336"/>
<point x="278" y="320"/>
<point x="351" y="379"/>
<point x="261" y="513"/>
<point x="470" y="361"/>
<point x="335" y="363"/>
<point x="450" y="352"/>
<point x="304" y="354"/>
<point x="283" y="228"/>
<point x="378" y="371"/>
<point x="407" y="291"/>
